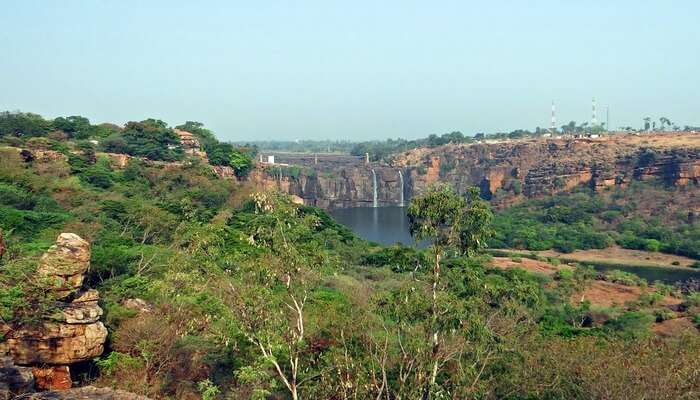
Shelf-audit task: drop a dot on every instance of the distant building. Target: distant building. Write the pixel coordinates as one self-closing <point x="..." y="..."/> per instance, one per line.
<point x="270" y="159"/>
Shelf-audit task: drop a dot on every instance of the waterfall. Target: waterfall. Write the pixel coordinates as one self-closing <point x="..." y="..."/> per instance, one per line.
<point x="401" y="204"/>
<point x="374" y="189"/>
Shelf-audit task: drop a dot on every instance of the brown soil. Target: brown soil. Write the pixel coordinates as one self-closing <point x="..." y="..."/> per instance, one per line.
<point x="674" y="327"/>
<point x="608" y="294"/>
<point x="526" y="264"/>
<point x="619" y="255"/>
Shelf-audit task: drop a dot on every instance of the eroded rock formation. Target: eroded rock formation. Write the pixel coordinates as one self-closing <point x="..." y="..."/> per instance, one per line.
<point x="505" y="172"/>
<point x="73" y="332"/>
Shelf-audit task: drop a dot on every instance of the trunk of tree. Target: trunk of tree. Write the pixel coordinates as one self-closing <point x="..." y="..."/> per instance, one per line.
<point x="434" y="326"/>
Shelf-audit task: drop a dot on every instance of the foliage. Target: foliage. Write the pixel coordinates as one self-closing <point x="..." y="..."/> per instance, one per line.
<point x="264" y="298"/>
<point x="586" y="220"/>
<point x="150" y="138"/>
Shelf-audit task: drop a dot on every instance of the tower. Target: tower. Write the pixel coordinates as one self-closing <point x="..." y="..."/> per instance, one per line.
<point x="594" y="117"/>
<point x="553" y="127"/>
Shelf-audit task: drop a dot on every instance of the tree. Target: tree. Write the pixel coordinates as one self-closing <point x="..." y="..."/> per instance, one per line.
<point x="647" y="123"/>
<point x="241" y="163"/>
<point x="449" y="222"/>
<point x="74" y="126"/>
<point x="21" y="124"/>
<point x="151" y="139"/>
<point x="272" y="312"/>
<point x="665" y="122"/>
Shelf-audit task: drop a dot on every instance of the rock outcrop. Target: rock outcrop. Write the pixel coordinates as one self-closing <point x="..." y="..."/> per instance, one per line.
<point x="86" y="393"/>
<point x="73" y="332"/>
<point x="14" y="380"/>
<point x="505" y="172"/>
<point x="190" y="144"/>
<point x="65" y="263"/>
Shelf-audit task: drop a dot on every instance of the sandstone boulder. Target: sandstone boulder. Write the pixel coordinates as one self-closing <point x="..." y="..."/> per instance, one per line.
<point x="86" y="393"/>
<point x="52" y="377"/>
<point x="71" y="334"/>
<point x="139" y="305"/>
<point x="55" y="343"/>
<point x="65" y="264"/>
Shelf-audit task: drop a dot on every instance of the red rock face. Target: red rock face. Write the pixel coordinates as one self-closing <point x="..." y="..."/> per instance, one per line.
<point x="505" y="172"/>
<point x="52" y="377"/>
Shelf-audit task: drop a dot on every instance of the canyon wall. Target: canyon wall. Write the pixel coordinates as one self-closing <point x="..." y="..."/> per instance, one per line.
<point x="505" y="172"/>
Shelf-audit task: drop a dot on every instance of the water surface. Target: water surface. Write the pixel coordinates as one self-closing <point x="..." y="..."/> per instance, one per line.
<point x="389" y="225"/>
<point x="383" y="225"/>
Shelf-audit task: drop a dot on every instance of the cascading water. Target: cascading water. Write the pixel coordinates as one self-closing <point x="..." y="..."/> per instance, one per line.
<point x="401" y="204"/>
<point x="375" y="202"/>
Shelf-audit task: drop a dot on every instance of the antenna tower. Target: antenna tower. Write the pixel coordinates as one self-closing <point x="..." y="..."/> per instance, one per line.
<point x="554" y="119"/>
<point x="594" y="117"/>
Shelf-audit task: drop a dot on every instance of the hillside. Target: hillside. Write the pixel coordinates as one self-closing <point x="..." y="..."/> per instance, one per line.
<point x="159" y="275"/>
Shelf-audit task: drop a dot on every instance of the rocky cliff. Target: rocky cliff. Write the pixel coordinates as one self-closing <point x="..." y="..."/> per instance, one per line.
<point x="72" y="332"/>
<point x="505" y="172"/>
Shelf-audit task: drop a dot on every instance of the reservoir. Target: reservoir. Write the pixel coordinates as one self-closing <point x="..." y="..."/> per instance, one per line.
<point x="389" y="225"/>
<point x="383" y="225"/>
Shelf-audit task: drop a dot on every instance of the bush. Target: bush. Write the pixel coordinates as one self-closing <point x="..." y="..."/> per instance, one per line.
<point x="650" y="298"/>
<point x="15" y="197"/>
<point x="623" y="278"/>
<point x="99" y="176"/>
<point x="398" y="258"/>
<point x="663" y="314"/>
<point x="630" y="325"/>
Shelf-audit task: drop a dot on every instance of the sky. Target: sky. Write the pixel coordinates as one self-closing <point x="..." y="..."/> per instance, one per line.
<point x="352" y="70"/>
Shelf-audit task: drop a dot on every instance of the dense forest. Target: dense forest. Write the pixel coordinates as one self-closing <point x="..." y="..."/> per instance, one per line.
<point x="248" y="295"/>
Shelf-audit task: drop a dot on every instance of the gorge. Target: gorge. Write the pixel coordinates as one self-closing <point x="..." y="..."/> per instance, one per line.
<point x="505" y="172"/>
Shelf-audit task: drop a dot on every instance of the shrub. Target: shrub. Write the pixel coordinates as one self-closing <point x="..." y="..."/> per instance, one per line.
<point x="630" y="325"/>
<point x="650" y="298"/>
<point x="564" y="274"/>
<point x="11" y="195"/>
<point x="652" y="245"/>
<point x="663" y="314"/>
<point x="623" y="278"/>
<point x="98" y="175"/>
<point x="693" y="299"/>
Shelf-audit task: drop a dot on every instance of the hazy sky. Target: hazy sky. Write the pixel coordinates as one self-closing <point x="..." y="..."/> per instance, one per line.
<point x="351" y="70"/>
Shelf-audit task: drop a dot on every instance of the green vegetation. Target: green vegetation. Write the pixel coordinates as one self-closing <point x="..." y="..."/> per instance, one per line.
<point x="587" y="220"/>
<point x="256" y="297"/>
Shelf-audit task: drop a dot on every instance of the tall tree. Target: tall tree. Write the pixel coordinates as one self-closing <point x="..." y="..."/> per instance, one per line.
<point x="451" y="223"/>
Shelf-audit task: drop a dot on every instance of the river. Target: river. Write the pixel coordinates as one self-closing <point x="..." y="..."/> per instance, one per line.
<point x="389" y="225"/>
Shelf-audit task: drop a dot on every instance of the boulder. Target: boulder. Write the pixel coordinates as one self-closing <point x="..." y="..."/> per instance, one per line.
<point x="65" y="264"/>
<point x="73" y="333"/>
<point x="55" y="343"/>
<point x="139" y="305"/>
<point x="14" y="380"/>
<point x="86" y="393"/>
<point x="52" y="377"/>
